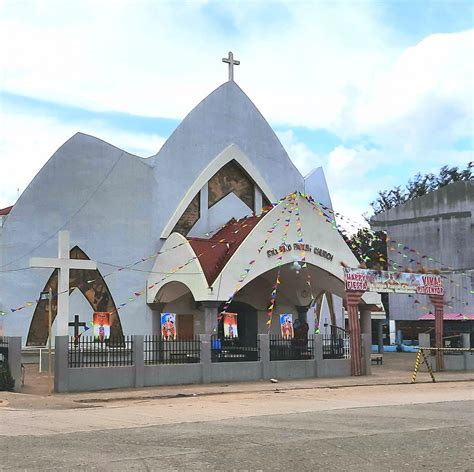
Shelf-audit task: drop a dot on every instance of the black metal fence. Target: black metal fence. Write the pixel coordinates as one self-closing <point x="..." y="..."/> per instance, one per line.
<point x="182" y="351"/>
<point x="3" y="349"/>
<point x="234" y="350"/>
<point x="337" y="344"/>
<point x="282" y="349"/>
<point x="87" y="351"/>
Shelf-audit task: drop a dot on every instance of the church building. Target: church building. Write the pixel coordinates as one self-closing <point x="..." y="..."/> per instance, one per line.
<point x="219" y="220"/>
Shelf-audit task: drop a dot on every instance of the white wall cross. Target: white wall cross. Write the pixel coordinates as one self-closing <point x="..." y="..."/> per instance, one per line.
<point x="230" y="60"/>
<point x="64" y="264"/>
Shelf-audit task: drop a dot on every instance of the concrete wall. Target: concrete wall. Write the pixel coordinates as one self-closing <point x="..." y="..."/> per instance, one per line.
<point x="14" y="361"/>
<point x="464" y="360"/>
<point x="439" y="225"/>
<point x="139" y="375"/>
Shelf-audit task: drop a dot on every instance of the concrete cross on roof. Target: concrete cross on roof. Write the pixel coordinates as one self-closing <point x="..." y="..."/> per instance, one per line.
<point x="64" y="264"/>
<point x="230" y="60"/>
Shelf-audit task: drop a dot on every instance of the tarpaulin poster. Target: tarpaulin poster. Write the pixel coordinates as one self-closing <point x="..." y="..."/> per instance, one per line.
<point x="168" y="326"/>
<point x="286" y="325"/>
<point x="365" y="280"/>
<point x="101" y="321"/>
<point x="230" y="325"/>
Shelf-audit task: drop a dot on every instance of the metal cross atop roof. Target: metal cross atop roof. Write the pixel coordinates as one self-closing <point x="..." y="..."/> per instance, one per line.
<point x="230" y="60"/>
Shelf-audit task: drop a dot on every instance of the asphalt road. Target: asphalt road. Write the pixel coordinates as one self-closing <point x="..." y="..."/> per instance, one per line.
<point x="383" y="428"/>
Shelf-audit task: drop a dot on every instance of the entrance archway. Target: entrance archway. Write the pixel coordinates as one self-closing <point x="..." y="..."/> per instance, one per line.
<point x="247" y="322"/>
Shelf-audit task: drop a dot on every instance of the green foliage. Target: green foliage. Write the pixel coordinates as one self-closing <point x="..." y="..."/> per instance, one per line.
<point x="420" y="185"/>
<point x="6" y="380"/>
<point x="370" y="248"/>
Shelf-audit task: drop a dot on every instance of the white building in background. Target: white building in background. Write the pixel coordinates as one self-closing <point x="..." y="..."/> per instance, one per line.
<point x="435" y="231"/>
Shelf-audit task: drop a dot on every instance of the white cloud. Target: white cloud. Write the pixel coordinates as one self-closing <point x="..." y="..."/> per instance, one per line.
<point x="330" y="65"/>
<point x="340" y="158"/>
<point x="156" y="59"/>
<point x="425" y="100"/>
<point x="304" y="159"/>
<point x="27" y="142"/>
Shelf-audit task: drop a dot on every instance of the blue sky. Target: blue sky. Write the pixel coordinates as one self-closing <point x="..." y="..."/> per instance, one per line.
<point x="372" y="91"/>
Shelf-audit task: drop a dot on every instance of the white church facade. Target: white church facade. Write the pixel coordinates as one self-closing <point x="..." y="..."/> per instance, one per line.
<point x="213" y="222"/>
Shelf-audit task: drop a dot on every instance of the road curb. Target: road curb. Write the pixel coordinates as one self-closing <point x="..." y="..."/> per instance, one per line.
<point x="276" y="389"/>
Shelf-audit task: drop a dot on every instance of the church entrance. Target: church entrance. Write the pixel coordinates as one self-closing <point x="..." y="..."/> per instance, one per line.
<point x="247" y="323"/>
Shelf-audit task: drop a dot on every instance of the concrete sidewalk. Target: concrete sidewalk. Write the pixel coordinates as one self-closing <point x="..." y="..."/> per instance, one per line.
<point x="397" y="370"/>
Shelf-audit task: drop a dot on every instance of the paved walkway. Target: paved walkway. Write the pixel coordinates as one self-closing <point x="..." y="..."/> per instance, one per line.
<point x="397" y="370"/>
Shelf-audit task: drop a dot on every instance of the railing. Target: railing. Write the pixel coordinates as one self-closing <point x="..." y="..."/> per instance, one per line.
<point x="182" y="351"/>
<point x="455" y="341"/>
<point x="337" y="344"/>
<point x="3" y="349"/>
<point x="233" y="350"/>
<point x="89" y="352"/>
<point x="282" y="349"/>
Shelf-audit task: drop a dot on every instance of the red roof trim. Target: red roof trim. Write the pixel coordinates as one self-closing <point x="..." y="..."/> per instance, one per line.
<point x="214" y="253"/>
<point x="6" y="211"/>
<point x="449" y="317"/>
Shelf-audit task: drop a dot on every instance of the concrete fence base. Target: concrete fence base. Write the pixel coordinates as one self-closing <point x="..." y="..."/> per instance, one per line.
<point x="139" y="374"/>
<point x="452" y="360"/>
<point x="14" y="361"/>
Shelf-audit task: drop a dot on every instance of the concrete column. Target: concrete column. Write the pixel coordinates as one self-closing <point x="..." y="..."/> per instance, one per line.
<point x="423" y="340"/>
<point x="139" y="360"/>
<point x="466" y="343"/>
<point x="205" y="358"/>
<point x="265" y="355"/>
<point x="210" y="317"/>
<point x="380" y="336"/>
<point x="61" y="369"/>
<point x="366" y="321"/>
<point x="302" y="313"/>
<point x="14" y="360"/>
<point x="354" y="328"/>
<point x="366" y="352"/>
<point x="439" y="337"/>
<point x="318" y="354"/>
<point x="438" y="303"/>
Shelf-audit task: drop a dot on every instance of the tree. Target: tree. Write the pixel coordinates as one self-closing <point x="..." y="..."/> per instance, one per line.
<point x="370" y="249"/>
<point x="420" y="185"/>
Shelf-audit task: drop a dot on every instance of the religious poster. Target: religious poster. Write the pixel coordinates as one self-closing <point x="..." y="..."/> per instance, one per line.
<point x="101" y="321"/>
<point x="168" y="326"/>
<point x="365" y="280"/>
<point x="230" y="325"/>
<point x="286" y="325"/>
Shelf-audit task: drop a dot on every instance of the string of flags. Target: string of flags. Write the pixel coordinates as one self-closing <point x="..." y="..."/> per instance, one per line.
<point x="299" y="230"/>
<point x="286" y="228"/>
<point x="144" y="259"/>
<point x="411" y="255"/>
<point x="247" y="270"/>
<point x="326" y="213"/>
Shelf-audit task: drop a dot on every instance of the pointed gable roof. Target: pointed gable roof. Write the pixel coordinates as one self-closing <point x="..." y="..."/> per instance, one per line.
<point x="224" y="118"/>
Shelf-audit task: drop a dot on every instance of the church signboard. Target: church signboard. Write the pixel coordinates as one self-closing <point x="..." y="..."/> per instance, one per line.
<point x="383" y="281"/>
<point x="300" y="247"/>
